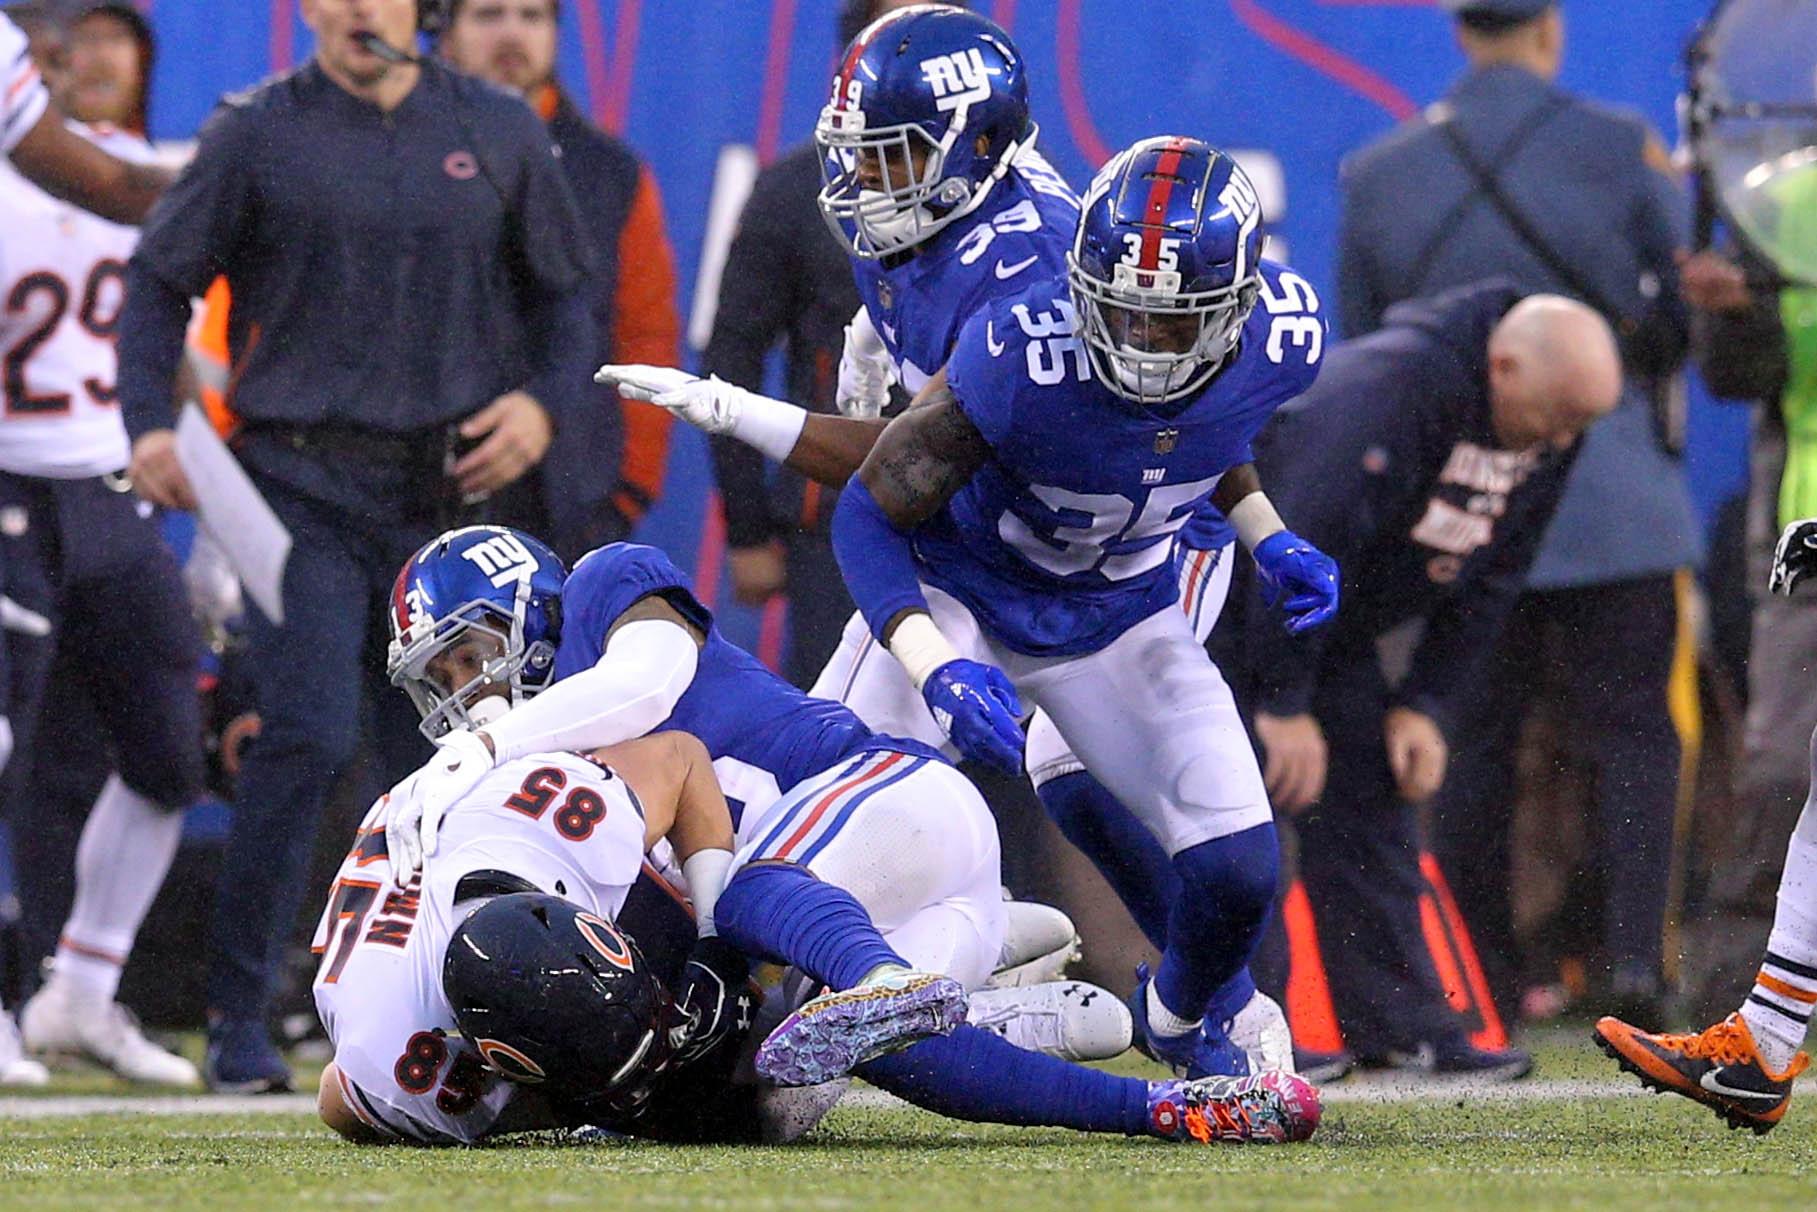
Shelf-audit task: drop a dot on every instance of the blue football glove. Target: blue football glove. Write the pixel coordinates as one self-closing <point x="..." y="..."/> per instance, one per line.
<point x="1289" y="567"/>
<point x="976" y="705"/>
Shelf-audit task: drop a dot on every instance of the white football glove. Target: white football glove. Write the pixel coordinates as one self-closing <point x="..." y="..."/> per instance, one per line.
<point x="415" y="807"/>
<point x="709" y="404"/>
<point x="22" y="620"/>
<point x="865" y="370"/>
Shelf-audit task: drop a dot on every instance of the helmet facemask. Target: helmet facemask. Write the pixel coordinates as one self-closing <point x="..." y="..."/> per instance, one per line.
<point x="883" y="190"/>
<point x="1149" y="340"/>
<point x="522" y="669"/>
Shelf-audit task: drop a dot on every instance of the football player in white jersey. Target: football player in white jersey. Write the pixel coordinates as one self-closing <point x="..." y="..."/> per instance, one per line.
<point x="47" y="153"/>
<point x="79" y="549"/>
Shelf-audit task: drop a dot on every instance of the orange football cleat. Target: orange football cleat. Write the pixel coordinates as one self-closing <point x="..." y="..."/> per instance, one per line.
<point x="1718" y="1067"/>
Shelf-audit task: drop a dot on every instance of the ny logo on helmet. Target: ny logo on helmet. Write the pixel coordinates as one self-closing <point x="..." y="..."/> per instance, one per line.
<point x="504" y="558"/>
<point x="958" y="79"/>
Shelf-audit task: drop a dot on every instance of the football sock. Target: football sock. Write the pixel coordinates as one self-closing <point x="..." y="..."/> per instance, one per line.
<point x="976" y="1075"/>
<point x="1227" y="888"/>
<point x="1779" y="1009"/>
<point x="125" y="852"/>
<point x="1119" y="845"/>
<point x="781" y="912"/>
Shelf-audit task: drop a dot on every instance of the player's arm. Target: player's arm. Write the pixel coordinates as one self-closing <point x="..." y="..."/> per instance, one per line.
<point x="1295" y="575"/>
<point x="649" y="659"/>
<point x="65" y="164"/>
<point x="921" y="459"/>
<point x="824" y="448"/>
<point x="332" y="1105"/>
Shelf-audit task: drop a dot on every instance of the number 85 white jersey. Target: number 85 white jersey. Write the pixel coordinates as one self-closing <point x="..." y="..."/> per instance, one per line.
<point x="62" y="283"/>
<point x="1064" y="540"/>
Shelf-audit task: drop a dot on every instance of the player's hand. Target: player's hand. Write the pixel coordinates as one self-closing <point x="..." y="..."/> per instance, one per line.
<point x="415" y="807"/>
<point x="710" y="404"/>
<point x="1795" y="558"/>
<point x="22" y="620"/>
<point x="1299" y="578"/>
<point x="1710" y="281"/>
<point x="865" y="370"/>
<point x="517" y="433"/>
<point x="758" y="573"/>
<point x="156" y="474"/>
<point x="715" y="996"/>
<point x="1417" y="753"/>
<point x="1296" y="760"/>
<point x="976" y="705"/>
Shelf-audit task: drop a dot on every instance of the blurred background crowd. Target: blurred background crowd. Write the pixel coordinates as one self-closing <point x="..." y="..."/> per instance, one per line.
<point x="1608" y="831"/>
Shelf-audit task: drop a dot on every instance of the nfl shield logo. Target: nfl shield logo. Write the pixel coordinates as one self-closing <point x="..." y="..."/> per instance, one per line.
<point x="1166" y="440"/>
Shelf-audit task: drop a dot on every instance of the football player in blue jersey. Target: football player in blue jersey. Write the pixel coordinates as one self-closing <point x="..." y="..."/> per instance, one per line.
<point x="865" y="861"/>
<point x="934" y="186"/>
<point x="1014" y="530"/>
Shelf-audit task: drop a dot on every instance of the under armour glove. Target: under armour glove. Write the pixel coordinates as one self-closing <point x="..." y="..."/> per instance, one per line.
<point x="865" y="370"/>
<point x="714" y="996"/>
<point x="415" y="807"/>
<point x="1795" y="558"/>
<point x="1290" y="568"/>
<point x="976" y="705"/>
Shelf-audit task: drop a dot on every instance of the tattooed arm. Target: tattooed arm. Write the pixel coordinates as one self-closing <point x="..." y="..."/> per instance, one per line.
<point x="924" y="456"/>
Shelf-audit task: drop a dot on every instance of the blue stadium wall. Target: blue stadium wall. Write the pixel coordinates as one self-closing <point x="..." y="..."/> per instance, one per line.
<point x="1304" y="81"/>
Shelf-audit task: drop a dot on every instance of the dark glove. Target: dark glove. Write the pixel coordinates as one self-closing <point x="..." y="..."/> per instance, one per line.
<point x="976" y="705"/>
<point x="1795" y="558"/>
<point x="714" y="996"/>
<point x="1289" y="567"/>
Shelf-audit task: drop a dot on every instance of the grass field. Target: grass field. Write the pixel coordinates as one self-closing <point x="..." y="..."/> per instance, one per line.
<point x="1449" y="1150"/>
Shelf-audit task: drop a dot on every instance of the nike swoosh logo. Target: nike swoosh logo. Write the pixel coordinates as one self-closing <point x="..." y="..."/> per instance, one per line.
<point x="1710" y="1082"/>
<point x="990" y="338"/>
<point x="1009" y="271"/>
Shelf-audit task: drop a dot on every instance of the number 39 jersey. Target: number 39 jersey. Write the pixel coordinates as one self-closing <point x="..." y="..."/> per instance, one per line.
<point x="568" y="826"/>
<point x="62" y="283"/>
<point x="1065" y="539"/>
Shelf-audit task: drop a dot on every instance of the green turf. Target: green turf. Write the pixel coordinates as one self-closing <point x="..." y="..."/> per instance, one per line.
<point x="1601" y="1154"/>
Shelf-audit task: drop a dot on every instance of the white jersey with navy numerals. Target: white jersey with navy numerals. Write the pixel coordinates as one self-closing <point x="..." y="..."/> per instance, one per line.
<point x="62" y="284"/>
<point x="1065" y="538"/>
<point x="567" y="825"/>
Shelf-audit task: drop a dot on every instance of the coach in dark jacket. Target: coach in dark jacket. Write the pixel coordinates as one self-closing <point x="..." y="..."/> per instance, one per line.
<point x="1427" y="460"/>
<point x="407" y="331"/>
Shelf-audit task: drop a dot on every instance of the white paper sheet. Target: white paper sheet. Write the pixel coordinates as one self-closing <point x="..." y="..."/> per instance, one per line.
<point x="248" y="532"/>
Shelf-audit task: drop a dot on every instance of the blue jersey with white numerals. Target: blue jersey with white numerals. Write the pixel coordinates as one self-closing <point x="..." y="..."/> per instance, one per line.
<point x="764" y="735"/>
<point x="1019" y="235"/>
<point x="1065" y="539"/>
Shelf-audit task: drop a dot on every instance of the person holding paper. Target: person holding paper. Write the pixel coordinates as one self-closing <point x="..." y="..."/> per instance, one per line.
<point x="83" y="553"/>
<point x="408" y="330"/>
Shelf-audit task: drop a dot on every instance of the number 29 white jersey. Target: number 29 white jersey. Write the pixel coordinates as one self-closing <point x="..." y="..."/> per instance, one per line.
<point x="22" y="94"/>
<point x="62" y="283"/>
<point x="565" y="824"/>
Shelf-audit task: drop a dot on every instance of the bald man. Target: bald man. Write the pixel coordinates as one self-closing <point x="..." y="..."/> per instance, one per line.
<point x="1427" y="460"/>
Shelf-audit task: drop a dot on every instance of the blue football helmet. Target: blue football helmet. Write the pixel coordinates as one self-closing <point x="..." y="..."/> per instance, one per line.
<point x="1164" y="267"/>
<point x="480" y="583"/>
<point x="929" y="110"/>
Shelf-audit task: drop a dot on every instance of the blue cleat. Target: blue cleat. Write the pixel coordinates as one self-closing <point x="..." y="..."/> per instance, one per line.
<point x="838" y="1031"/>
<point x="242" y="1060"/>
<point x="1202" y="1052"/>
<point x="1269" y="1109"/>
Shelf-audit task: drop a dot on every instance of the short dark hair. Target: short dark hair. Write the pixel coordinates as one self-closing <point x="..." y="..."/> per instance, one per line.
<point x="452" y="9"/>
<point x="1491" y="23"/>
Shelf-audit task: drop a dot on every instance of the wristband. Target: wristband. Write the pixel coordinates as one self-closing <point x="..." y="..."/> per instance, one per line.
<point x="919" y="646"/>
<point x="771" y="427"/>
<point x="1254" y="518"/>
<point x="705" y="871"/>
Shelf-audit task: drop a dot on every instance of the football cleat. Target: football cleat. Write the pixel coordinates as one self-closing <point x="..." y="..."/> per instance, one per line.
<point x="16" y="1068"/>
<point x="241" y="1059"/>
<point x="1192" y="1054"/>
<point x="1456" y="1058"/>
<point x="838" y="1031"/>
<point x="1039" y="942"/>
<point x="1718" y="1067"/>
<point x="1072" y="1020"/>
<point x="63" y="1019"/>
<point x="1268" y="1109"/>
<point x="1260" y="1029"/>
<point x="1323" y="1068"/>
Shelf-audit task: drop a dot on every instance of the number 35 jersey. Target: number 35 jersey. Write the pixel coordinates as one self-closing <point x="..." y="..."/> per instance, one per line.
<point x="1065" y="539"/>
<point x="565" y="824"/>
<point x="62" y="283"/>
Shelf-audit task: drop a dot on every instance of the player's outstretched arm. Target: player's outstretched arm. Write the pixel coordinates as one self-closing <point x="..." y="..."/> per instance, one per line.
<point x="823" y="448"/>
<point x="65" y="164"/>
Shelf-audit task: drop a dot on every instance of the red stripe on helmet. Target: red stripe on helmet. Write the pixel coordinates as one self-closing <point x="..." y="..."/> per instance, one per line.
<point x="859" y="46"/>
<point x="1154" y="211"/>
<point x="399" y="611"/>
